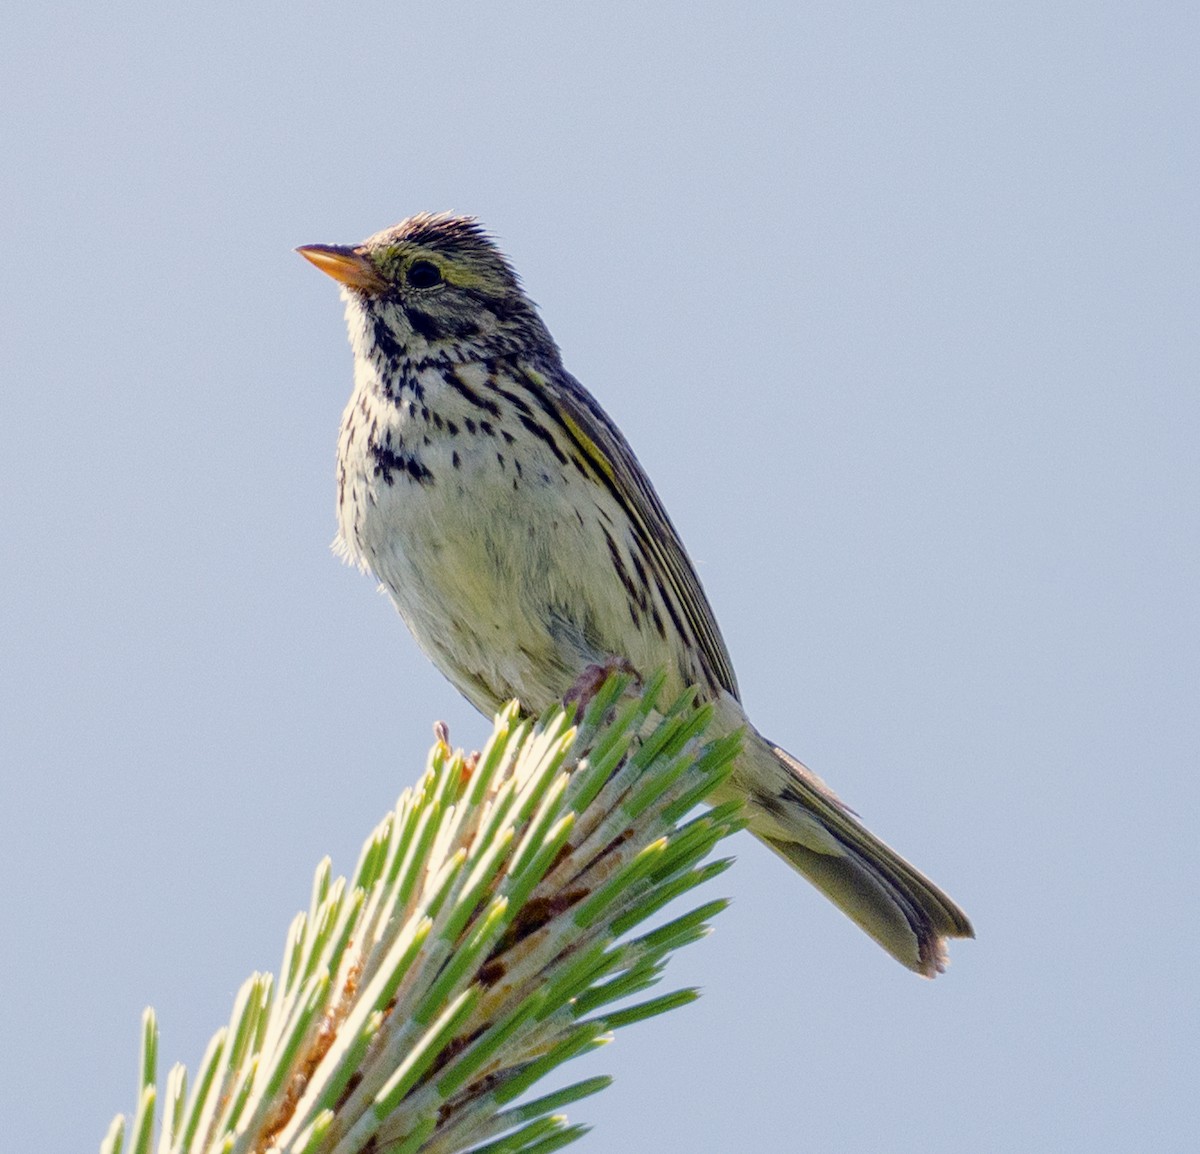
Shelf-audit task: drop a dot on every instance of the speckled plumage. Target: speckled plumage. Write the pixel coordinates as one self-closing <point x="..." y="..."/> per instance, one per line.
<point x="520" y="539"/>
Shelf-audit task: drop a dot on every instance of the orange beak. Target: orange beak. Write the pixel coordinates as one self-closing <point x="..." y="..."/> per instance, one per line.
<point x="349" y="266"/>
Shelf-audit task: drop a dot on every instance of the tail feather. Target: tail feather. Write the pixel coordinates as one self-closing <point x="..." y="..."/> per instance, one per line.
<point x="791" y="810"/>
<point x="872" y="884"/>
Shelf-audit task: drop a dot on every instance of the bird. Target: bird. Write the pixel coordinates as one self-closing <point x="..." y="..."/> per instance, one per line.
<point x="512" y="526"/>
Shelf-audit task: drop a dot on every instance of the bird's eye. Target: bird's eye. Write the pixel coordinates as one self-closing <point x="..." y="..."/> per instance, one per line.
<point x="423" y="274"/>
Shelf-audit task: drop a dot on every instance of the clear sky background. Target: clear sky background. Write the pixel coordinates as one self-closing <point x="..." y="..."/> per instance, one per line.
<point x="897" y="303"/>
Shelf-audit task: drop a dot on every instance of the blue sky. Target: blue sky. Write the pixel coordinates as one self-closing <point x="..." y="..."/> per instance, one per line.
<point x="898" y="307"/>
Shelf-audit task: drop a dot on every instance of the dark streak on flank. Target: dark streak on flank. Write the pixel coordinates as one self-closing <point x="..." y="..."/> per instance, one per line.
<point x="640" y="569"/>
<point x="710" y="650"/>
<point x="543" y="434"/>
<point x="388" y="463"/>
<point x="669" y="606"/>
<point x="618" y="561"/>
<point x="517" y="401"/>
<point x="469" y="394"/>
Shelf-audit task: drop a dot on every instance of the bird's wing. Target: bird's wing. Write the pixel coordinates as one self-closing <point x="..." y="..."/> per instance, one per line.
<point x="605" y="450"/>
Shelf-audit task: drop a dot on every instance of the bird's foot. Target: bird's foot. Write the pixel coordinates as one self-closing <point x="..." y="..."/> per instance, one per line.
<point x="588" y="683"/>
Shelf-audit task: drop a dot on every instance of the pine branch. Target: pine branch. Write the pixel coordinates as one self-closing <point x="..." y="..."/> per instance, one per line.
<point x="483" y="940"/>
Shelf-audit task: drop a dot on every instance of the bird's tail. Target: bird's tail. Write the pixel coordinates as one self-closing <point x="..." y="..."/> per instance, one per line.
<point x="801" y="819"/>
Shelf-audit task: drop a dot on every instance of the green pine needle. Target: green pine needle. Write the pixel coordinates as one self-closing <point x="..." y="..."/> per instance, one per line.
<point x="479" y="946"/>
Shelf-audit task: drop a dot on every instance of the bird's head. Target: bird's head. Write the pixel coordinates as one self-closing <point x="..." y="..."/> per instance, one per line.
<point x="434" y="284"/>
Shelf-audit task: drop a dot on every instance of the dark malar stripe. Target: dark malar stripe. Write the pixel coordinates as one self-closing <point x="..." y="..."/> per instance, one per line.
<point x="423" y="324"/>
<point x="385" y="340"/>
<point x="440" y="328"/>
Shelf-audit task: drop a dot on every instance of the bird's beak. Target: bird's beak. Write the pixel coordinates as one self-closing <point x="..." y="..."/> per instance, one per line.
<point x="349" y="266"/>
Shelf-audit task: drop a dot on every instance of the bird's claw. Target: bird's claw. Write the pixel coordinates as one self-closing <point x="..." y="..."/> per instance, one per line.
<point x="588" y="683"/>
